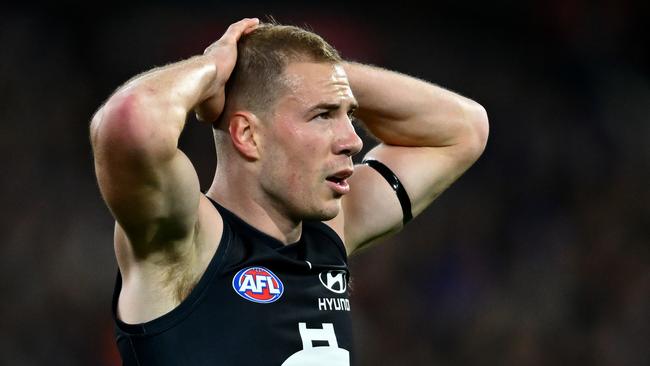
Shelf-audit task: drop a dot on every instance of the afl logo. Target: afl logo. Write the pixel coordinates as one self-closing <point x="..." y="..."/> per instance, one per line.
<point x="335" y="281"/>
<point x="258" y="284"/>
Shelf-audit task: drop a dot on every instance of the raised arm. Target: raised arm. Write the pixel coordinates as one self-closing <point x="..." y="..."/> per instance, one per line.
<point x="429" y="137"/>
<point x="149" y="185"/>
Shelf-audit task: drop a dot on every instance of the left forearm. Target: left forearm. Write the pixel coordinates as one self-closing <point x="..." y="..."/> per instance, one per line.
<point x="406" y="111"/>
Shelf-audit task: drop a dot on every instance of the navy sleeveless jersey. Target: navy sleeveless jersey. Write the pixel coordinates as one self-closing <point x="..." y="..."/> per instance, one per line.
<point x="259" y="302"/>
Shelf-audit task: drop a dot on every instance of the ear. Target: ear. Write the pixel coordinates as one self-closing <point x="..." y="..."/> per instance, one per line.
<point x="243" y="133"/>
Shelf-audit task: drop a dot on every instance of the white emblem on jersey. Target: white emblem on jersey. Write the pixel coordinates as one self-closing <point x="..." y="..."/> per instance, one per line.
<point x="330" y="355"/>
<point x="258" y="284"/>
<point x="334" y="281"/>
<point x="333" y="303"/>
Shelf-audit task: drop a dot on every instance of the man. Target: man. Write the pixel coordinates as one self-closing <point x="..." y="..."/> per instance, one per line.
<point x="254" y="270"/>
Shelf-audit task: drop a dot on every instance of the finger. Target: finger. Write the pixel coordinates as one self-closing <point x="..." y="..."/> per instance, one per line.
<point x="251" y="28"/>
<point x="237" y="29"/>
<point x="252" y="25"/>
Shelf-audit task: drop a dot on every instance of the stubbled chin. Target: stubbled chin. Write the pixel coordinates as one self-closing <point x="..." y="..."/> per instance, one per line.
<point x="329" y="211"/>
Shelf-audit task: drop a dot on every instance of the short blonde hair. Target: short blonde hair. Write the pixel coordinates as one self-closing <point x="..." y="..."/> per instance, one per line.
<point x="263" y="55"/>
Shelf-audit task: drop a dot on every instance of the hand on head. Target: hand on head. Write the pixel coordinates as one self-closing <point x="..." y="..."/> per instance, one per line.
<point x="223" y="53"/>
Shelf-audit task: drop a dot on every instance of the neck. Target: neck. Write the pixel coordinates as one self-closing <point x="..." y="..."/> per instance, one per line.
<point x="252" y="207"/>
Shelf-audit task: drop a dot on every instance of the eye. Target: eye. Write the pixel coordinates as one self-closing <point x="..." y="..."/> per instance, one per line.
<point x="324" y="115"/>
<point x="351" y="115"/>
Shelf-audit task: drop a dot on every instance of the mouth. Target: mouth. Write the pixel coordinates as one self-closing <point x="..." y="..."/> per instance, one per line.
<point x="338" y="181"/>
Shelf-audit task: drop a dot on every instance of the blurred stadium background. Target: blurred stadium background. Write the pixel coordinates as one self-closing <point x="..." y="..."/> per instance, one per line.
<point x="539" y="255"/>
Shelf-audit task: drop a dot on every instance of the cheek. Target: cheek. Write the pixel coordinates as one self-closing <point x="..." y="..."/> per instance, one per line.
<point x="313" y="152"/>
<point x="300" y="172"/>
<point x="288" y="168"/>
<point x="299" y="156"/>
<point x="304" y="150"/>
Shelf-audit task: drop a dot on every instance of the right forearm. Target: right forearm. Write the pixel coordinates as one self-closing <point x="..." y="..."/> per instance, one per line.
<point x="149" y="112"/>
<point x="143" y="120"/>
<point x="175" y="88"/>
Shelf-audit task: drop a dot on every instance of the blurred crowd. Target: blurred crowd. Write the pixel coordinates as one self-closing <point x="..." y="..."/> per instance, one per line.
<point x="538" y="255"/>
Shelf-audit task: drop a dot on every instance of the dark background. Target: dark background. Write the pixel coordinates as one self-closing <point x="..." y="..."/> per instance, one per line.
<point x="539" y="255"/>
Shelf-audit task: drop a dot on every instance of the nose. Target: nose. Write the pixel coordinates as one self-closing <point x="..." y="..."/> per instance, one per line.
<point x="347" y="141"/>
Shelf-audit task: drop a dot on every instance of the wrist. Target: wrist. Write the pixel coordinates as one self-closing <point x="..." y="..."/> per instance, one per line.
<point x="207" y="77"/>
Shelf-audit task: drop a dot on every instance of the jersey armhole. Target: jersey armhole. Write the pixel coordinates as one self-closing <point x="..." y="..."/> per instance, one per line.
<point x="185" y="308"/>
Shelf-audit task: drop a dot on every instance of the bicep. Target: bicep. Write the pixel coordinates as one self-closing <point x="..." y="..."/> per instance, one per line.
<point x="372" y="209"/>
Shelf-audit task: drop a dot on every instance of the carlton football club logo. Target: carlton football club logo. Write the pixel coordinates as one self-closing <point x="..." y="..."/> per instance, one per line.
<point x="258" y="284"/>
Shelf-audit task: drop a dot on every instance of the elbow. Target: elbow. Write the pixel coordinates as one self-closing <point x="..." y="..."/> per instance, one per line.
<point x="477" y="130"/>
<point x="481" y="126"/>
<point x="125" y="124"/>
<point x="111" y="118"/>
<point x="115" y="120"/>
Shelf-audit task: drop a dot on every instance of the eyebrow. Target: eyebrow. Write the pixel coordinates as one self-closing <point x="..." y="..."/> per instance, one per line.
<point x="332" y="106"/>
